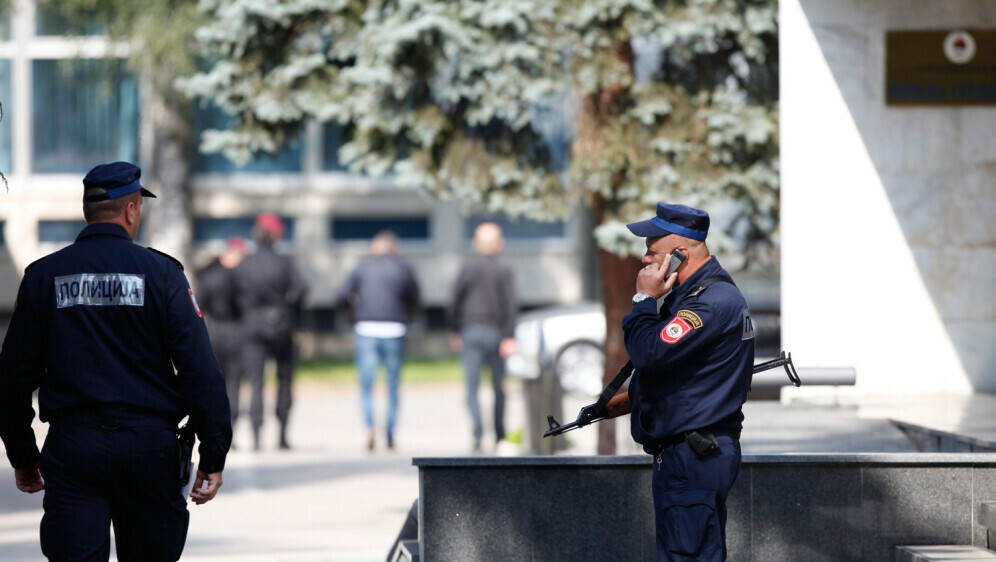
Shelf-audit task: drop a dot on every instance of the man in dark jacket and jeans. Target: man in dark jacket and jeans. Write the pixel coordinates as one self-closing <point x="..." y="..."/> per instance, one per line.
<point x="482" y="319"/>
<point x="382" y="291"/>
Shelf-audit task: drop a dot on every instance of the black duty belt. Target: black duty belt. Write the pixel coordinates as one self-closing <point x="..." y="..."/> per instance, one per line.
<point x="681" y="437"/>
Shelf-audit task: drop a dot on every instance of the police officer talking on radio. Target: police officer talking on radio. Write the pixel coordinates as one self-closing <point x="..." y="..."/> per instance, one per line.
<point x="693" y="358"/>
<point x="110" y="334"/>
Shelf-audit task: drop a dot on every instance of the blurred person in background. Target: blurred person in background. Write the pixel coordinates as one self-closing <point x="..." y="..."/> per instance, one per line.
<point x="216" y="291"/>
<point x="482" y="317"/>
<point x="271" y="293"/>
<point x="382" y="292"/>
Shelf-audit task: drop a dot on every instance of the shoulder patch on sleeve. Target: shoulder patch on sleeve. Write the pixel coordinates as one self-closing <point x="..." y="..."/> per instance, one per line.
<point x="692" y="318"/>
<point x="748" y="329"/>
<point x="193" y="301"/>
<point x="174" y="260"/>
<point x="675" y="330"/>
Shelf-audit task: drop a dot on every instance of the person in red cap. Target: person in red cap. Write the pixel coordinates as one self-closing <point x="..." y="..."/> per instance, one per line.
<point x="270" y="294"/>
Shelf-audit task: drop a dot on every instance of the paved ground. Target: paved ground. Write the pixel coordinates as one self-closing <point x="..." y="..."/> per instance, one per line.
<point x="330" y="500"/>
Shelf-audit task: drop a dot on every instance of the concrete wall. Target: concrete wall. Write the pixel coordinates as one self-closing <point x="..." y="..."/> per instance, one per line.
<point x="888" y="235"/>
<point x="832" y="508"/>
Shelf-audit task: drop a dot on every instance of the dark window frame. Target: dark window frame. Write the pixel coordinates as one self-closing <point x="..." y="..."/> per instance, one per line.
<point x="352" y="228"/>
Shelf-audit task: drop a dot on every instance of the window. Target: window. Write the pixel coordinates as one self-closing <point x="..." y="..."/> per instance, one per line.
<point x="3" y="241"/>
<point x="517" y="229"/>
<point x="211" y="117"/>
<point x="364" y="228"/>
<point x="6" y="124"/>
<point x="85" y="113"/>
<point x="206" y="230"/>
<point x="333" y="134"/>
<point x="59" y="231"/>
<point x="5" y="22"/>
<point x="54" y="23"/>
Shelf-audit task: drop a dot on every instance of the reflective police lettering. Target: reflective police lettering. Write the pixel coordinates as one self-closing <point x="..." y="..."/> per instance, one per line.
<point x="692" y="318"/>
<point x="100" y="289"/>
<point x="748" y="333"/>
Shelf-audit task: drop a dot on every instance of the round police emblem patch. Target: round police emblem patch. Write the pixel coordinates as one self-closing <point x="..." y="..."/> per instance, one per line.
<point x="959" y="47"/>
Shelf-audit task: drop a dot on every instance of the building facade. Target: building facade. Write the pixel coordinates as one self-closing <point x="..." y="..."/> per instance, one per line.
<point x="888" y="202"/>
<point x="71" y="102"/>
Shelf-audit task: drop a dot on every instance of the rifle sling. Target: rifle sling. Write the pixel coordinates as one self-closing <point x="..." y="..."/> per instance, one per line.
<point x="627" y="370"/>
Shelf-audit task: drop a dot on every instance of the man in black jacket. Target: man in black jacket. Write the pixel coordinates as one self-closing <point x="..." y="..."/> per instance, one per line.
<point x="111" y="335"/>
<point x="216" y="291"/>
<point x="482" y="320"/>
<point x="382" y="291"/>
<point x="271" y="293"/>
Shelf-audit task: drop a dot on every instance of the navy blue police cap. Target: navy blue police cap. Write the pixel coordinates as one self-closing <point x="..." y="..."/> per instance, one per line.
<point x="674" y="219"/>
<point x="110" y="181"/>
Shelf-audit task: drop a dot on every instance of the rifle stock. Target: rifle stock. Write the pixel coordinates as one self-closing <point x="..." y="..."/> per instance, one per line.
<point x="618" y="406"/>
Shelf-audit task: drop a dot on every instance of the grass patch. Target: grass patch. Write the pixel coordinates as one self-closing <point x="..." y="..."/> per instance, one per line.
<point x="341" y="372"/>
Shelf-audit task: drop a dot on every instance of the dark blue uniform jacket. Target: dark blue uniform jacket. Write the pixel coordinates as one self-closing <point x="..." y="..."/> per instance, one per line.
<point x="111" y="334"/>
<point x="693" y="361"/>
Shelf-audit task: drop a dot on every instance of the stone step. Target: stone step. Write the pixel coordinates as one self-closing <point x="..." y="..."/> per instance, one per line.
<point x="986" y="515"/>
<point x="932" y="440"/>
<point x="407" y="551"/>
<point x="937" y="553"/>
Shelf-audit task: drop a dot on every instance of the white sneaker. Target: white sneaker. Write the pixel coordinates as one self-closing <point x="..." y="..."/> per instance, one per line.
<point x="506" y="448"/>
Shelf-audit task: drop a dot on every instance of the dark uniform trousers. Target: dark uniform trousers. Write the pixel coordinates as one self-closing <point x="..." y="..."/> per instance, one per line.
<point x="96" y="474"/>
<point x="257" y="348"/>
<point x="690" y="499"/>
<point x="227" y="341"/>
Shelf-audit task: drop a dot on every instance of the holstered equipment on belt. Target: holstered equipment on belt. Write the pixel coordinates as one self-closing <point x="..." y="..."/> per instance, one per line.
<point x="185" y="445"/>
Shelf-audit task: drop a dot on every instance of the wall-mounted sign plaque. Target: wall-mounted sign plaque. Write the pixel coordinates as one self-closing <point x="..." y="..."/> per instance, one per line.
<point x="952" y="67"/>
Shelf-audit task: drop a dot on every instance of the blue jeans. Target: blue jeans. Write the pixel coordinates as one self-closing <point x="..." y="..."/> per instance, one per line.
<point x="369" y="353"/>
<point x="481" y="344"/>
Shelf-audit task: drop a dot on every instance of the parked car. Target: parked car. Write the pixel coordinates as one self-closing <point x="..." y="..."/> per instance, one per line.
<point x="568" y="342"/>
<point x="565" y="341"/>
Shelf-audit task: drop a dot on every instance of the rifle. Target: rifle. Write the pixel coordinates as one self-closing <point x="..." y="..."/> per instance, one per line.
<point x="610" y="406"/>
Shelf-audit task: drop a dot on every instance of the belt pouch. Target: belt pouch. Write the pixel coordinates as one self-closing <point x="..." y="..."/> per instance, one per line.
<point x="702" y="443"/>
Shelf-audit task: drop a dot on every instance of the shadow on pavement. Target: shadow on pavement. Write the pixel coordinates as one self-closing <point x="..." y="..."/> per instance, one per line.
<point x="272" y="477"/>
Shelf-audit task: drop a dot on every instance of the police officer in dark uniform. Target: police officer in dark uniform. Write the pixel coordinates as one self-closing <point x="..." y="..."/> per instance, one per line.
<point x="216" y="291"/>
<point x="693" y="358"/>
<point x="271" y="293"/>
<point x="110" y="333"/>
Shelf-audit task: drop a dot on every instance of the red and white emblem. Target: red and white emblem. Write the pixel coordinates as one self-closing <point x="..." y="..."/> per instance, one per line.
<point x="197" y="309"/>
<point x="675" y="330"/>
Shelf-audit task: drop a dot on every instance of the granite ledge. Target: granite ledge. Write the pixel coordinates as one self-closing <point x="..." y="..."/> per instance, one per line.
<point x="910" y="459"/>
